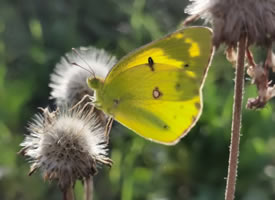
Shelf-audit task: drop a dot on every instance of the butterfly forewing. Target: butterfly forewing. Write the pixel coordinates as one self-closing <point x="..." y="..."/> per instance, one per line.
<point x="190" y="48"/>
<point x="160" y="105"/>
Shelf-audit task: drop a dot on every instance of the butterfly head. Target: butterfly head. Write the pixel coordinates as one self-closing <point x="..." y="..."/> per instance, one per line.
<point x="94" y="83"/>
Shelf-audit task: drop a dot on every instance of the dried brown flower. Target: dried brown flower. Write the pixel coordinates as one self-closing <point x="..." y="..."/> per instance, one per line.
<point x="232" y="18"/>
<point x="65" y="146"/>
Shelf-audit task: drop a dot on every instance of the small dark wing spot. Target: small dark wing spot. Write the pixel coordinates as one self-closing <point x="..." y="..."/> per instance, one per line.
<point x="186" y="65"/>
<point x="177" y="86"/>
<point x="197" y="105"/>
<point x="165" y="127"/>
<point x="157" y="93"/>
<point x="115" y="105"/>
<point x="116" y="102"/>
<point x="151" y="63"/>
<point x="193" y="119"/>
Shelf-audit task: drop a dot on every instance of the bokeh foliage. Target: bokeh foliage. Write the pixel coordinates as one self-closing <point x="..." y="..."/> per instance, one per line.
<point x="33" y="37"/>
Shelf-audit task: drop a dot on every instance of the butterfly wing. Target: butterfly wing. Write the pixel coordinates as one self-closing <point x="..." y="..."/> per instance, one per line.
<point x="160" y="105"/>
<point x="190" y="46"/>
<point x="156" y="90"/>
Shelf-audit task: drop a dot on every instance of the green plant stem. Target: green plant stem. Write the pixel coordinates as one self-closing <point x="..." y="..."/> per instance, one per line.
<point x="236" y="121"/>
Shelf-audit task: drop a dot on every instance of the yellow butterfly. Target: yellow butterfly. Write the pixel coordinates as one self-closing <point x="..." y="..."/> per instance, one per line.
<point x="156" y="90"/>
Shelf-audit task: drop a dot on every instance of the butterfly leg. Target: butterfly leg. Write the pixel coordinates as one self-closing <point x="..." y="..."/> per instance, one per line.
<point x="82" y="100"/>
<point x="108" y="128"/>
<point x="86" y="106"/>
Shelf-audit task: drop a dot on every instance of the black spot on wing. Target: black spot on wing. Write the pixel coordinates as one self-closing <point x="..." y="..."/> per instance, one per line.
<point x="166" y="127"/>
<point x="178" y="86"/>
<point x="198" y="105"/>
<point x="151" y="63"/>
<point x="116" y="102"/>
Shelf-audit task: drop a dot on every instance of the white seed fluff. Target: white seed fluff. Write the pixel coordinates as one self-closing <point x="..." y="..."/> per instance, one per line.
<point x="68" y="82"/>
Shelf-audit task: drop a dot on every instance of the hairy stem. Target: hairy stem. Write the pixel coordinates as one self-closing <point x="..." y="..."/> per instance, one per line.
<point x="68" y="193"/>
<point x="236" y="121"/>
<point x="89" y="188"/>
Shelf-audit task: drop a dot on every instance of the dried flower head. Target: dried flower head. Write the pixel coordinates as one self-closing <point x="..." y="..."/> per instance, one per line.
<point x="232" y="18"/>
<point x="259" y="74"/>
<point x="68" y="82"/>
<point x="250" y="19"/>
<point x="65" y="145"/>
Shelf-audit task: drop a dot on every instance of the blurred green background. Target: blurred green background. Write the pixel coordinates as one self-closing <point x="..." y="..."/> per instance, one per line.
<point x="33" y="37"/>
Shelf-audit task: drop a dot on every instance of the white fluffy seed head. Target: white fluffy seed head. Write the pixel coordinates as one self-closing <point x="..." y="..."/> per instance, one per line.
<point x="232" y="18"/>
<point x="65" y="145"/>
<point x="68" y="82"/>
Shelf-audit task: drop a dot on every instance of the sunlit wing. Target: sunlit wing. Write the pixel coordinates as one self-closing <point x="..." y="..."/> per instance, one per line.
<point x="161" y="104"/>
<point x="187" y="48"/>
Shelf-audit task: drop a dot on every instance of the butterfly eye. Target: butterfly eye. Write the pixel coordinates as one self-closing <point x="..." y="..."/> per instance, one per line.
<point x="93" y="83"/>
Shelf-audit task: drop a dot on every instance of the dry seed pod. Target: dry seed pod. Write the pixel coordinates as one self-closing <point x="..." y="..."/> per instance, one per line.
<point x="65" y="145"/>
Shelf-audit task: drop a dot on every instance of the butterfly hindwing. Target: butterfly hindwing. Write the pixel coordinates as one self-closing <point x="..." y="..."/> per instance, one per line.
<point x="160" y="105"/>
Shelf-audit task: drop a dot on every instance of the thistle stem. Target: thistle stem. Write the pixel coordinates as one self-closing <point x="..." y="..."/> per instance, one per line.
<point x="89" y="188"/>
<point x="236" y="121"/>
<point x="68" y="193"/>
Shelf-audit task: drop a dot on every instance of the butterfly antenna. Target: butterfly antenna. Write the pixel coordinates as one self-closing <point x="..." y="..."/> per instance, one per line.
<point x="80" y="56"/>
<point x="75" y="64"/>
